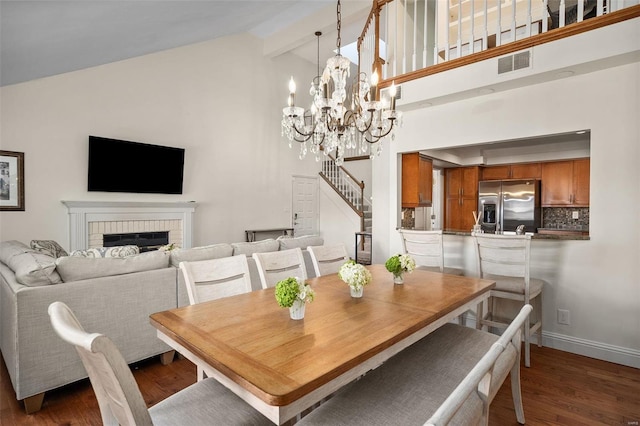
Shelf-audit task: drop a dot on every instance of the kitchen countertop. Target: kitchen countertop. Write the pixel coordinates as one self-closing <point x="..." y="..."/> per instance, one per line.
<point x="566" y="235"/>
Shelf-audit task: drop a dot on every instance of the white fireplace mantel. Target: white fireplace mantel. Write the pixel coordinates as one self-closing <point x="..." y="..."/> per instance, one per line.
<point x="81" y="213"/>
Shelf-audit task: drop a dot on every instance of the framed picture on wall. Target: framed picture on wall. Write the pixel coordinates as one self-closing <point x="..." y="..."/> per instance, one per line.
<point x="11" y="181"/>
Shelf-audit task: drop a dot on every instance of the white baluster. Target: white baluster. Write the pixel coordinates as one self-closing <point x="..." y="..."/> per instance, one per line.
<point x="499" y="24"/>
<point x="545" y="23"/>
<point x="472" y="22"/>
<point x="562" y="14"/>
<point x="513" y="20"/>
<point x="404" y="37"/>
<point x="424" y="33"/>
<point x="529" y="19"/>
<point x="415" y="35"/>
<point x="485" y="36"/>
<point x="459" y="42"/>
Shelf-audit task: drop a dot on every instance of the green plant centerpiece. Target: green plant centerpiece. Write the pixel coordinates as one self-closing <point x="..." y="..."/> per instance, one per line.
<point x="398" y="265"/>
<point x="293" y="293"/>
<point x="356" y="276"/>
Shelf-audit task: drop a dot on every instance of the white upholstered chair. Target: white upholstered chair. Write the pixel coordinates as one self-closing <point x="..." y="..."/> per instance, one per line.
<point x="505" y="260"/>
<point x="278" y="265"/>
<point x="119" y="398"/>
<point x="426" y="248"/>
<point x="328" y="259"/>
<point x="216" y="278"/>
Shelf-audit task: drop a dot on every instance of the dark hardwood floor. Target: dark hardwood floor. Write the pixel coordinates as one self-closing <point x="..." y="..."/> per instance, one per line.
<point x="559" y="389"/>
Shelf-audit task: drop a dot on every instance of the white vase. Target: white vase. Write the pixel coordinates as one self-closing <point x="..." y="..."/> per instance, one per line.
<point x="397" y="279"/>
<point x="297" y="310"/>
<point x="356" y="292"/>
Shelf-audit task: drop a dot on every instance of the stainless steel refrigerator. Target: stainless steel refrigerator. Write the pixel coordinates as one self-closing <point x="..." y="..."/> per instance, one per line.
<point x="504" y="205"/>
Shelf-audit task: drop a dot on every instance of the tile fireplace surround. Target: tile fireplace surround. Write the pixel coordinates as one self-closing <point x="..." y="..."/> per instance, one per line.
<point x="90" y="220"/>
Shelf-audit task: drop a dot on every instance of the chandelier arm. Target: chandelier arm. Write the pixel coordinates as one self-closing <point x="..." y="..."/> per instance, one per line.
<point x="307" y="136"/>
<point x="379" y="137"/>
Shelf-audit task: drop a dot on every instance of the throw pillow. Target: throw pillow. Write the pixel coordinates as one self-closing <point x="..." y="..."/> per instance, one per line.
<point x="49" y="247"/>
<point x="30" y="267"/>
<point x="76" y="268"/>
<point x="214" y="251"/>
<point x="263" y="246"/>
<point x="117" y="251"/>
<point x="302" y="242"/>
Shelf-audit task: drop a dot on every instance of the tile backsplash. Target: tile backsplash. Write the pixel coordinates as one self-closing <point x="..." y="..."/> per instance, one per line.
<point x="562" y="217"/>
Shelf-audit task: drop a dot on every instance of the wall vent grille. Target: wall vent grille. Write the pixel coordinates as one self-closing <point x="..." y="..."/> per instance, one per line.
<point x="514" y="62"/>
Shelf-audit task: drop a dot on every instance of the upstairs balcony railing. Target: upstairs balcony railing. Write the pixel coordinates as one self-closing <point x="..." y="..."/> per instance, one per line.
<point x="408" y="39"/>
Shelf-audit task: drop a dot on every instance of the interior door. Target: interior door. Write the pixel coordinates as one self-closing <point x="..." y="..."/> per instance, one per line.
<point x="305" y="205"/>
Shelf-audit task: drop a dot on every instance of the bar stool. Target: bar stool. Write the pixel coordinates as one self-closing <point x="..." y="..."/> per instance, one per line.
<point x="505" y="260"/>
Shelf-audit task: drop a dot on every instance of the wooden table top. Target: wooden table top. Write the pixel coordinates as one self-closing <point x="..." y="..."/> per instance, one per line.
<point x="252" y="341"/>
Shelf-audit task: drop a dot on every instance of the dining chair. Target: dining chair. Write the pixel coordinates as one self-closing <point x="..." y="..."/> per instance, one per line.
<point x="328" y="259"/>
<point x="216" y="278"/>
<point x="505" y="259"/>
<point x="119" y="397"/>
<point x="427" y="250"/>
<point x="278" y="265"/>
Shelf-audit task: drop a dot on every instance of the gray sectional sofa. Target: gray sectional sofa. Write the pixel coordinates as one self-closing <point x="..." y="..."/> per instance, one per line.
<point x="113" y="296"/>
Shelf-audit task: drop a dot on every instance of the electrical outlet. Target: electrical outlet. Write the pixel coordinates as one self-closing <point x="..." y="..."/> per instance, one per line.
<point x="563" y="316"/>
<point x="575" y="215"/>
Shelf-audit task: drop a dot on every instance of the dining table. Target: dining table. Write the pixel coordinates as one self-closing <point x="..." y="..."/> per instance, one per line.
<point x="282" y="366"/>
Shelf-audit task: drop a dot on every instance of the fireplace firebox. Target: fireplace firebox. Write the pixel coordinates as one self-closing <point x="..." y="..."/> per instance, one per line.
<point x="146" y="241"/>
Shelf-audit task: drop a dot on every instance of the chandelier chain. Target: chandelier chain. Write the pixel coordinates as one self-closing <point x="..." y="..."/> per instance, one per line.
<point x="339" y="25"/>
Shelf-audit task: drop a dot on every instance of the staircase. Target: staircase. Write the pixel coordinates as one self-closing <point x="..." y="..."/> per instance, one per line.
<point x="352" y="192"/>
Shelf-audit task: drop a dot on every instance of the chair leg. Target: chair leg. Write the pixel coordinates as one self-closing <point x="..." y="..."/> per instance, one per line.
<point x="539" y="318"/>
<point x="527" y="340"/>
<point x="516" y="392"/>
<point x="479" y="315"/>
<point x="200" y="373"/>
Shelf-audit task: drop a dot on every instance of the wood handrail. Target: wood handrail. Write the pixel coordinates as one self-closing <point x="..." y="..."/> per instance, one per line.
<point x="349" y="203"/>
<point x="534" y="40"/>
<point x="352" y="177"/>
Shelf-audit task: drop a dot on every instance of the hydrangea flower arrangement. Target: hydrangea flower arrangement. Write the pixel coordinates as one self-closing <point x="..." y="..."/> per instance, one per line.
<point x="354" y="274"/>
<point x="290" y="289"/>
<point x="400" y="263"/>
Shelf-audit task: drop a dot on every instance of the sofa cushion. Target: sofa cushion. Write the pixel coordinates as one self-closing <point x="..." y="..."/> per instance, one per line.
<point x="48" y="247"/>
<point x="214" y="251"/>
<point x="264" y="246"/>
<point x="302" y="242"/>
<point x="117" y="251"/>
<point x="31" y="268"/>
<point x="75" y="268"/>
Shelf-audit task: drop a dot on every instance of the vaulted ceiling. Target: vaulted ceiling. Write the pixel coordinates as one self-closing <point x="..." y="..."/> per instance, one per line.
<point x="45" y="38"/>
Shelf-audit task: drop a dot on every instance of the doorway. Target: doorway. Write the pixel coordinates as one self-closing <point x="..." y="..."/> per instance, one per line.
<point x="305" y="217"/>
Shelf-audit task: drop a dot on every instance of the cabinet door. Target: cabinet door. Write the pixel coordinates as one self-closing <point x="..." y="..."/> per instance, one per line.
<point x="452" y="214"/>
<point x="557" y="183"/>
<point x="410" y="180"/>
<point x="526" y="171"/>
<point x="453" y="182"/>
<point x="469" y="205"/>
<point x="581" y="182"/>
<point x="496" y="172"/>
<point x="470" y="179"/>
<point x="417" y="180"/>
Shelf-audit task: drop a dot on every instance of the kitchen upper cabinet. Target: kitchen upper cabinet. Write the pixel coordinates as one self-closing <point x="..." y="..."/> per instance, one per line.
<point x="526" y="171"/>
<point x="566" y="183"/>
<point x="461" y="188"/>
<point x="417" y="180"/>
<point x="512" y="171"/>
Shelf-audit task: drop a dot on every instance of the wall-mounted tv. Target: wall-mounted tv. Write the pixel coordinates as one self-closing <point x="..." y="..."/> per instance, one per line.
<point x="123" y="166"/>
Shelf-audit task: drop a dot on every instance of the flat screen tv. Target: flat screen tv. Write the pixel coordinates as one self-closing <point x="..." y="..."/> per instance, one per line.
<point x="124" y="166"/>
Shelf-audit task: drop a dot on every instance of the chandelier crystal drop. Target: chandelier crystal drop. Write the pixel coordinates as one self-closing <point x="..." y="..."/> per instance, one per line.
<point x="347" y="118"/>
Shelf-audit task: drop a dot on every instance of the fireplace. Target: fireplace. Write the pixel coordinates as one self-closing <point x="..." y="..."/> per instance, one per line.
<point x="90" y="221"/>
<point x="146" y="241"/>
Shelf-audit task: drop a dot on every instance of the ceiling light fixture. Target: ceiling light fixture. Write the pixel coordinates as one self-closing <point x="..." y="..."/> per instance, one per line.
<point x="340" y="118"/>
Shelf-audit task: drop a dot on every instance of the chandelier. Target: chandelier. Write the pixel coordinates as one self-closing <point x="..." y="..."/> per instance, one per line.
<point x="340" y="117"/>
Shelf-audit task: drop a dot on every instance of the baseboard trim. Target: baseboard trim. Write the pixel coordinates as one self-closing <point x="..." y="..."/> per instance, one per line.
<point x="575" y="345"/>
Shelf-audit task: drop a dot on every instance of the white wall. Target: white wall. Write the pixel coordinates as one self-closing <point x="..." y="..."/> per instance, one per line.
<point x="221" y="100"/>
<point x="596" y="280"/>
